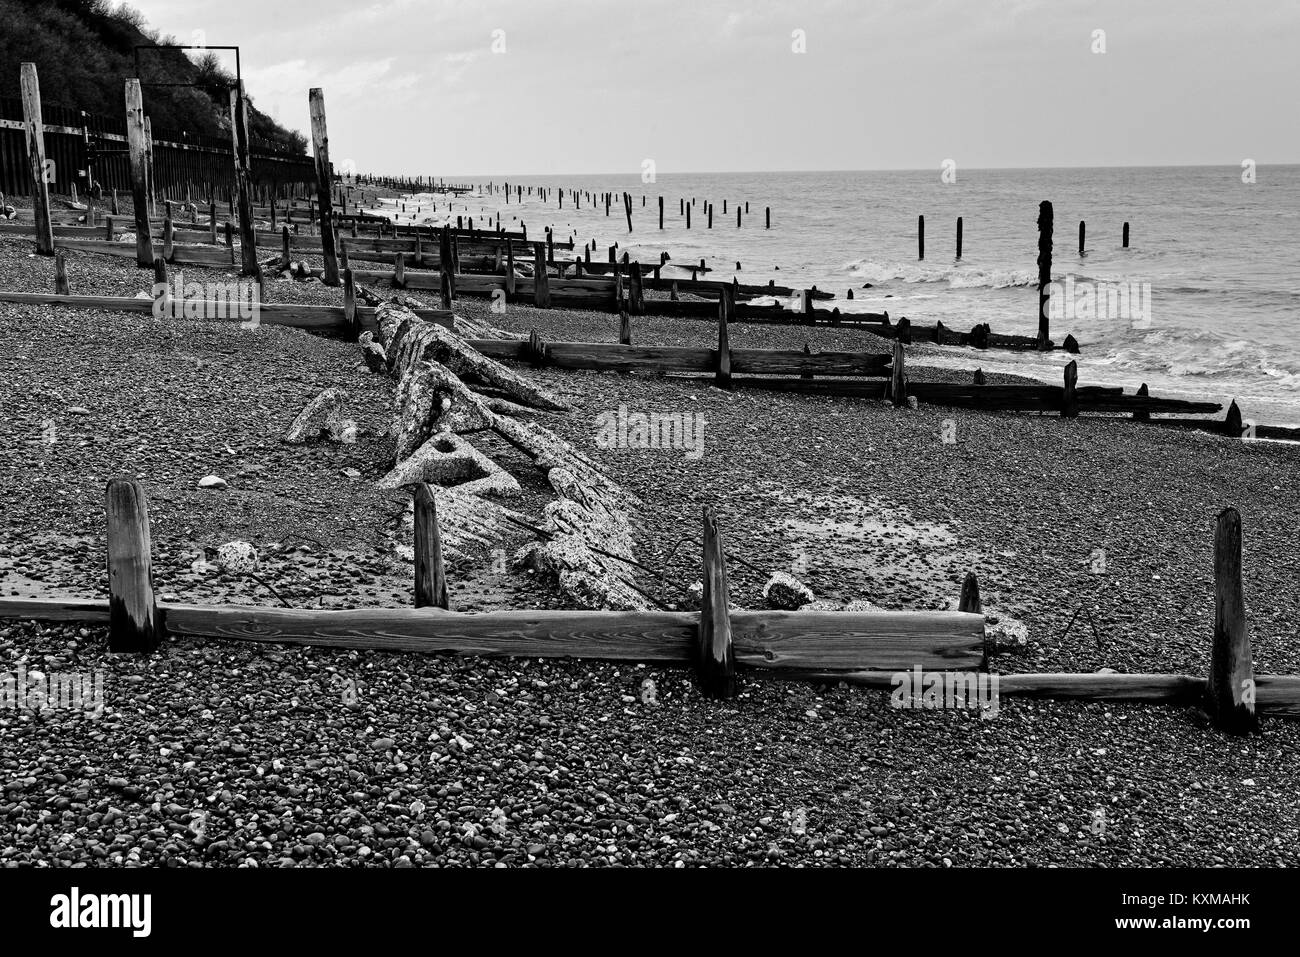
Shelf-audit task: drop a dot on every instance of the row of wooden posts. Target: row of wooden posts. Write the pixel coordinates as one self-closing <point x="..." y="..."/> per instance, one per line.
<point x="920" y="236"/>
<point x="862" y="649"/>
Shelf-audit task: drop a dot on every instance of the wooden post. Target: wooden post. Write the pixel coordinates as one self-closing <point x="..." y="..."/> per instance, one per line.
<point x="723" y="376"/>
<point x="60" y="274"/>
<point x="970" y="596"/>
<point x="34" y="128"/>
<point x="920" y="237"/>
<point x="160" y="279"/>
<point x="959" y="237"/>
<point x="737" y="217"/>
<point x="139" y="172"/>
<point x="1141" y="415"/>
<point x="1082" y="233"/>
<point x="767" y="217"/>
<point x="1069" y="403"/>
<point x="1045" y="217"/>
<point x="715" y="656"/>
<point x="134" y="625"/>
<point x="624" y="325"/>
<point x="430" y="575"/>
<point x="898" y="379"/>
<point x="510" y="267"/>
<point x="350" y="305"/>
<point x="108" y="228"/>
<point x="627" y="206"/>
<point x="636" y="288"/>
<point x="1232" y="423"/>
<point x="212" y="223"/>
<point x="1126" y="235"/>
<point x="399" y="271"/>
<point x="541" y="283"/>
<point x="661" y="212"/>
<point x="148" y="168"/>
<point x="240" y="142"/>
<point x="285" y="257"/>
<point x="1231" y="688"/>
<point x="688" y="217"/>
<point x="708" y="208"/>
<point x="448" y="282"/>
<point x="168" y="238"/>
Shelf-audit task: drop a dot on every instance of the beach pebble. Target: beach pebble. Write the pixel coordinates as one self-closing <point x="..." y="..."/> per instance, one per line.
<point x="236" y="557"/>
<point x="212" y="481"/>
<point x="785" y="591"/>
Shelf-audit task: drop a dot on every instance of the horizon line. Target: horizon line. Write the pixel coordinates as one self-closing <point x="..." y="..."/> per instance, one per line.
<point x="878" y="169"/>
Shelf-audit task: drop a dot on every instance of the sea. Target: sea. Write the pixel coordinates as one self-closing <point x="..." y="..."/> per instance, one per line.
<point x="1204" y="302"/>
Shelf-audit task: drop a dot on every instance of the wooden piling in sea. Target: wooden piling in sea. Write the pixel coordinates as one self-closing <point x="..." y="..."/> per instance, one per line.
<point x="1045" y="217"/>
<point x="959" y="237"/>
<point x="920" y="237"/>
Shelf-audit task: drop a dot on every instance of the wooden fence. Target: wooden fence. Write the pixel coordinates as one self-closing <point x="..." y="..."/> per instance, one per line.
<point x="183" y="162"/>
<point x="867" y="649"/>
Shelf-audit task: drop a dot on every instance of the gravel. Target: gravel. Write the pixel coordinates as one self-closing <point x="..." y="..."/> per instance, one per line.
<point x="217" y="753"/>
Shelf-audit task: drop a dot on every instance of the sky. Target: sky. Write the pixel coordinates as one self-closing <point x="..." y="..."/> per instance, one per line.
<point x="484" y="87"/>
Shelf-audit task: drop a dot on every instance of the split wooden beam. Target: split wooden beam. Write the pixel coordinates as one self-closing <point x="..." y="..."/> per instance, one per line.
<point x="34" y="128"/>
<point x="137" y="146"/>
<point x="324" y="184"/>
<point x="715" y="655"/>
<point x="135" y="625"/>
<point x="243" y="178"/>
<point x="430" y="574"/>
<point x="1231" y="692"/>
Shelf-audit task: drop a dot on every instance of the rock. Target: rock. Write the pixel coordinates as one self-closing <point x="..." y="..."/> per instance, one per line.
<point x="912" y="402"/>
<point x="212" y="481"/>
<point x="236" y="557"/>
<point x="352" y="473"/>
<point x="447" y="459"/>
<point x="1006" y="635"/>
<point x="433" y="399"/>
<point x="322" y="416"/>
<point x="784" y="591"/>
<point x="382" y="744"/>
<point x="373" y="353"/>
<point x="78" y="410"/>
<point x="343" y="430"/>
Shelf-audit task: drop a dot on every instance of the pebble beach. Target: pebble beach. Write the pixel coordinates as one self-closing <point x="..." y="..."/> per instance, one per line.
<point x="1095" y="535"/>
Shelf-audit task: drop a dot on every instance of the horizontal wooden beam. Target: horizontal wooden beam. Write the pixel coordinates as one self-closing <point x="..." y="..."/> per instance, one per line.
<point x="297" y="315"/>
<point x="763" y="639"/>
<point x="611" y="356"/>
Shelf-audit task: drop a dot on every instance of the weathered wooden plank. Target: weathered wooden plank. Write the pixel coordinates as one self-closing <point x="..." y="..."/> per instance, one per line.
<point x="715" y="660"/>
<point x="894" y="640"/>
<point x="34" y="128"/>
<point x="1230" y="693"/>
<point x="299" y="315"/>
<point x="324" y="183"/>
<point x="430" y="574"/>
<point x="134" y="622"/>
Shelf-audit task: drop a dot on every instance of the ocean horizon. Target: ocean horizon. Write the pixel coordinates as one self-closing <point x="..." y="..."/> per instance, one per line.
<point x="1211" y="252"/>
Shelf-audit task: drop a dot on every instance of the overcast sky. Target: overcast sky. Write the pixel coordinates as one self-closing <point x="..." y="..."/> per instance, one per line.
<point x="586" y="86"/>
